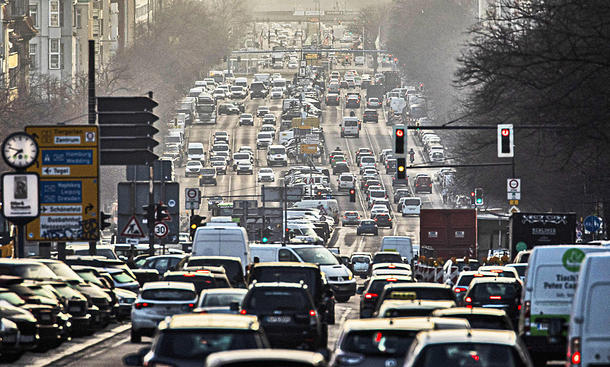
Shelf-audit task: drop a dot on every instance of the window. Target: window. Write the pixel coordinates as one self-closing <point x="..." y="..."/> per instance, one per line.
<point x="54" y="53"/>
<point x="54" y="15"/>
<point x="287" y="255"/>
<point x="34" y="14"/>
<point x="33" y="55"/>
<point x="77" y="18"/>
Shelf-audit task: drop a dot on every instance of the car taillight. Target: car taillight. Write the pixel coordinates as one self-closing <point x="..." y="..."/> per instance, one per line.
<point x="312" y="312"/>
<point x="140" y="305"/>
<point x="391" y="280"/>
<point x="188" y="275"/>
<point x="526" y="317"/>
<point x="468" y="300"/>
<point x="243" y="312"/>
<point x="460" y="289"/>
<point x="495" y="297"/>
<point x="371" y="295"/>
<point x="574" y="354"/>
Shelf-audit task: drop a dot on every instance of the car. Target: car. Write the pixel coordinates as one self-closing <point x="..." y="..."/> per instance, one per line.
<point x="388" y="268"/>
<point x="264" y="139"/>
<point x="361" y="264"/>
<point x="373" y="103"/>
<point x="423" y="183"/>
<point x="220" y="300"/>
<point x="155" y="302"/>
<point x="262" y="111"/>
<point x="346" y="181"/>
<point x="501" y="271"/>
<point x="243" y="156"/>
<point x="277" y="93"/>
<point x="383" y="220"/>
<point x="269" y="129"/>
<point x="246" y="119"/>
<point x="266" y="357"/>
<point x="391" y="308"/>
<point x="228" y="109"/>
<point x="367" y="226"/>
<point x="463" y="281"/>
<point x="352" y="101"/>
<point x="340" y="167"/>
<point x="371" y="290"/>
<point x="265" y="175"/>
<point x="231" y="266"/>
<point x="411" y="206"/>
<point x="287" y="313"/>
<point x="333" y="99"/>
<point x="187" y="340"/>
<point x="219" y="94"/>
<point x="370" y="115"/>
<point x="269" y="119"/>
<point x="478" y="317"/>
<point x="350" y="218"/>
<point x="495" y="292"/>
<point x="386" y="257"/>
<point x="161" y="263"/>
<point x="378" y="210"/>
<point x="28" y="330"/>
<point x="238" y="92"/>
<point x="220" y="166"/>
<point x="245" y="168"/>
<point x="419" y="291"/>
<point x="193" y="168"/>
<point x="276" y="155"/>
<point x="208" y="176"/>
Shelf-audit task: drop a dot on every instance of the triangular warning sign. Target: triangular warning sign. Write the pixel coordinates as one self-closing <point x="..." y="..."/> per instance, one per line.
<point x="132" y="229"/>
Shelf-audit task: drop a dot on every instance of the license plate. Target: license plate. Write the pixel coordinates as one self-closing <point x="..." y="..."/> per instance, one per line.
<point x="542" y="326"/>
<point x="27" y="338"/>
<point x="278" y="319"/>
<point x="45" y="317"/>
<point x="74" y="309"/>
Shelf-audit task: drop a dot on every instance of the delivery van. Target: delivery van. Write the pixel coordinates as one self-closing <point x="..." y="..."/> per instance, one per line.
<point x="349" y="127"/>
<point x="550" y="285"/>
<point x="220" y="240"/>
<point x="401" y="244"/>
<point x="589" y="331"/>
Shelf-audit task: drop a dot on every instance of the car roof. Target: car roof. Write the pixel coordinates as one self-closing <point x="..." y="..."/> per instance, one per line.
<point x="494" y="280"/>
<point x="166" y="285"/>
<point x="469" y="311"/>
<point x="415" y="304"/>
<point x="224" y="291"/>
<point x="279" y="285"/>
<point x="211" y="321"/>
<point x="261" y="355"/>
<point x="403" y="323"/>
<point x="232" y="258"/>
<point x="419" y="285"/>
<point x="502" y="337"/>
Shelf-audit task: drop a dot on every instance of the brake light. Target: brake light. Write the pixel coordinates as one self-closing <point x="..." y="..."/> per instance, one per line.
<point x="191" y="305"/>
<point x="188" y="275"/>
<point x="312" y="312"/>
<point x="468" y="300"/>
<point x="519" y="307"/>
<point x="391" y="280"/>
<point x="574" y="355"/>
<point x="496" y="271"/>
<point x="243" y="312"/>
<point x="526" y="317"/>
<point x="140" y="305"/>
<point x="371" y="295"/>
<point x="479" y="275"/>
<point x="495" y="297"/>
<point x="391" y="266"/>
<point x="460" y="289"/>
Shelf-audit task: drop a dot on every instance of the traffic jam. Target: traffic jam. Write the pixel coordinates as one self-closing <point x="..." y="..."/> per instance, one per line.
<point x="357" y="250"/>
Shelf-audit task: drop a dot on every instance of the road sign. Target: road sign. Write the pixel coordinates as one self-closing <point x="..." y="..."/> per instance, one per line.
<point x="161" y="229"/>
<point x="513" y="209"/>
<point x="592" y="223"/>
<point x="309" y="148"/>
<point x="513" y="185"/>
<point x="133" y="228"/>
<point x="193" y="198"/>
<point x="306" y="123"/>
<point x="20" y="193"/>
<point x="68" y="166"/>
<point x="513" y="202"/>
<point x="513" y="195"/>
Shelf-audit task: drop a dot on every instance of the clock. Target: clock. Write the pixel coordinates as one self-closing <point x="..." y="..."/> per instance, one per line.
<point x="19" y="150"/>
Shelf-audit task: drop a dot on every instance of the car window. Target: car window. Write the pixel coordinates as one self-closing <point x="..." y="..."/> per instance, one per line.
<point x="287" y="255"/>
<point x="468" y="354"/>
<point x="263" y="299"/>
<point x="221" y="299"/>
<point x="382" y="342"/>
<point x="200" y="282"/>
<point x="168" y="294"/>
<point x="197" y="344"/>
<point x="485" y="291"/>
<point x="425" y="293"/>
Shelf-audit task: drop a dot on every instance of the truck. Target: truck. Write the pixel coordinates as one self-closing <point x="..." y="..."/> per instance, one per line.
<point x="391" y="80"/>
<point x="528" y="230"/>
<point x="449" y="232"/>
<point x="207" y="113"/>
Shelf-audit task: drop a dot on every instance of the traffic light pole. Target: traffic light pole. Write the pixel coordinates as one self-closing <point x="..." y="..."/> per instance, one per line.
<point x="151" y="203"/>
<point x="92" y="121"/>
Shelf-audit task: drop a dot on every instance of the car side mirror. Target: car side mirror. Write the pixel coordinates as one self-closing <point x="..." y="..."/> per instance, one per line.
<point x="234" y="306"/>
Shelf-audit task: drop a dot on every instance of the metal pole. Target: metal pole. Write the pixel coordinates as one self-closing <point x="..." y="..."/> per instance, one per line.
<point x="20" y="251"/>
<point x="284" y="203"/>
<point x="151" y="203"/>
<point x="92" y="117"/>
<point x="263" y="214"/>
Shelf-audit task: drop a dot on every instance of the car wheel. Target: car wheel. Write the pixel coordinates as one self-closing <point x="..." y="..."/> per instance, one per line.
<point x="135" y="337"/>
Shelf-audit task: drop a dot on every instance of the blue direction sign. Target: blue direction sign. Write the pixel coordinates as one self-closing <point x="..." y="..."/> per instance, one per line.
<point x="592" y="223"/>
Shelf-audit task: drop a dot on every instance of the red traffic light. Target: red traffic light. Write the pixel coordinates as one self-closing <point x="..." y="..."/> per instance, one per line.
<point x="505" y="132"/>
<point x="352" y="191"/>
<point x="400" y="133"/>
<point x="472" y="194"/>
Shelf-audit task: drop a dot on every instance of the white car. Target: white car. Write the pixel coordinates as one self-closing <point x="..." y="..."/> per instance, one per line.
<point x="269" y="119"/>
<point x="263" y="140"/>
<point x="244" y="167"/>
<point x="246" y="119"/>
<point x="347" y="181"/>
<point x="277" y="93"/>
<point x="268" y="128"/>
<point x="276" y="155"/>
<point x="193" y="168"/>
<point x="266" y="175"/>
<point x="242" y="157"/>
<point x="219" y="94"/>
<point x="293" y="65"/>
<point x="379" y="209"/>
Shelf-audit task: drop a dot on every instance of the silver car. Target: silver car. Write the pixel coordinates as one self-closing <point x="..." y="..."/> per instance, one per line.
<point x="156" y="301"/>
<point x="221" y="300"/>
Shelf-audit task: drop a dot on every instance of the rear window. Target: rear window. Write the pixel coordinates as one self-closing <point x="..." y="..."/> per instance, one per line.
<point x="350" y="123"/>
<point x="168" y="295"/>
<point x="346" y="178"/>
<point x="406" y="312"/>
<point x="208" y="171"/>
<point x="378" y="194"/>
<point x="410" y="202"/>
<point x="200" y="282"/>
<point x="383" y="342"/>
<point x="465" y="279"/>
<point x="221" y="299"/>
<point x="367" y="160"/>
<point x="377" y="285"/>
<point x="505" y="291"/>
<point x="424" y="293"/>
<point x="469" y="354"/>
<point x="233" y="269"/>
<point x="266" y="300"/>
<point x="274" y="274"/>
<point x="486" y="322"/>
<point x="387" y="258"/>
<point x="196" y="345"/>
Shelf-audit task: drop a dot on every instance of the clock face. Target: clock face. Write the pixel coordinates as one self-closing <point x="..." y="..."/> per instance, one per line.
<point x="19" y="150"/>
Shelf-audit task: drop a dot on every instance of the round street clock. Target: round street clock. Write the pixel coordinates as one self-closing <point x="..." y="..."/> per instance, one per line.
<point x="19" y="150"/>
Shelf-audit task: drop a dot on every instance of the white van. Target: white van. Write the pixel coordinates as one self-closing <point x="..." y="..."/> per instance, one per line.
<point x="349" y="127"/>
<point x="411" y="206"/>
<point x="401" y="244"/>
<point x="589" y="332"/>
<point x="222" y="221"/>
<point x="330" y="206"/>
<point x="550" y="284"/>
<point x="241" y="82"/>
<point x="339" y="276"/>
<point x="276" y="154"/>
<point x="220" y="240"/>
<point x="195" y="152"/>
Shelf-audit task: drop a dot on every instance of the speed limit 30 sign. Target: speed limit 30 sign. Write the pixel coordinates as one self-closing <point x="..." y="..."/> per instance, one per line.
<point x="161" y="229"/>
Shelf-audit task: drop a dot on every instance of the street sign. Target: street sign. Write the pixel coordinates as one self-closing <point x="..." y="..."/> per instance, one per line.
<point x="161" y="229"/>
<point x="513" y="195"/>
<point x="513" y="185"/>
<point x="592" y="223"/>
<point x="513" y="202"/>
<point x="193" y="198"/>
<point x="513" y="209"/>
<point x="306" y="123"/>
<point x="68" y="166"/>
<point x="309" y="148"/>
<point x="20" y="192"/>
<point x="133" y="228"/>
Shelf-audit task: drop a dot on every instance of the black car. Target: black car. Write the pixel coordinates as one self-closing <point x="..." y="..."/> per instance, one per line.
<point x="370" y="115"/>
<point x="288" y="315"/>
<point x="495" y="292"/>
<point x="352" y="102"/>
<point x="386" y="257"/>
<point x="400" y="193"/>
<point x="383" y="220"/>
<point x="415" y="291"/>
<point x="28" y="330"/>
<point x="201" y="280"/>
<point x="333" y="99"/>
<point x="371" y="290"/>
<point x="228" y="109"/>
<point x="390" y="165"/>
<point x="309" y="274"/>
<point x="232" y="266"/>
<point x="340" y="167"/>
<point x="367" y="226"/>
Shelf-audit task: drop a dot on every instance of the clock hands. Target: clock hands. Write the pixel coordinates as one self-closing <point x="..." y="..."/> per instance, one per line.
<point x="19" y="151"/>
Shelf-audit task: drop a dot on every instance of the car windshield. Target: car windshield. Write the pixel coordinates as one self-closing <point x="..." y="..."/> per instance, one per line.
<point x="122" y="277"/>
<point x="195" y="151"/>
<point x="90" y="277"/>
<point x="264" y="136"/>
<point x="12" y="298"/>
<point x="468" y="354"/>
<point x="168" y="295"/>
<point x="63" y="271"/>
<point x="267" y="300"/>
<point x="241" y="156"/>
<point x="209" y="171"/>
<point x="278" y="150"/>
<point x="488" y="291"/>
<point x="221" y="299"/>
<point x="215" y="163"/>
<point x="196" y="345"/>
<point x="220" y="148"/>
<point x="194" y="164"/>
<point x="379" y="342"/>
<point x="317" y="255"/>
<point x="27" y="271"/>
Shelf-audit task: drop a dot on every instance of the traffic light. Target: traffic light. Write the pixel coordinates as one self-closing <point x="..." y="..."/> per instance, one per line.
<point x="506" y="141"/>
<point x="400" y="139"/>
<point x="149" y="214"/>
<point x="401" y="170"/>
<point x="104" y="221"/>
<point x="478" y="196"/>
<point x="195" y="223"/>
<point x="472" y="198"/>
<point x="161" y="213"/>
<point x="352" y="195"/>
<point x="266" y="235"/>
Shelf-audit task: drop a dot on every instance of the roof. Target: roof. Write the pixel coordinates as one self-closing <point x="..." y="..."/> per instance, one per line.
<point x="188" y="273"/>
<point x="224" y="291"/>
<point x="414" y="304"/>
<point x="419" y="285"/>
<point x="399" y="278"/>
<point x="232" y="258"/>
<point x="494" y="280"/>
<point x="165" y="285"/>
<point x="403" y="323"/>
<point x="503" y="337"/>
<point x="286" y="264"/>
<point x="278" y="284"/>
<point x="262" y="355"/>
<point x="455" y="311"/>
<point x="209" y="321"/>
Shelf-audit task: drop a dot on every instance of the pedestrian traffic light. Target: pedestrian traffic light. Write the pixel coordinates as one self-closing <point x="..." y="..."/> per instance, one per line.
<point x="195" y="223"/>
<point x="149" y="213"/>
<point x="401" y="171"/>
<point x="266" y="235"/>
<point x="352" y="195"/>
<point x="478" y="196"/>
<point x="472" y="198"/>
<point x="104" y="221"/>
<point x="399" y="139"/>
<point x="505" y="141"/>
<point x="161" y="213"/>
